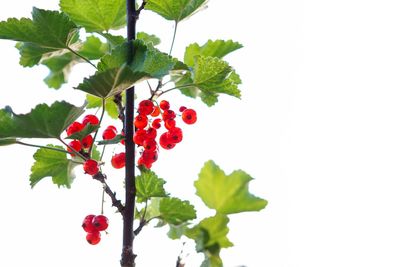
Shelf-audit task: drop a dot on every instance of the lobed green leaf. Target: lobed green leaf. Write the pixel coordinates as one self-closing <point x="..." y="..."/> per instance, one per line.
<point x="175" y="10"/>
<point x="149" y="185"/>
<point x="175" y="211"/>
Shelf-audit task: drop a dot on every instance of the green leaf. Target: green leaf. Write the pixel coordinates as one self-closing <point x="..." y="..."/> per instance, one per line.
<point x="7" y="141"/>
<point x="31" y="54"/>
<point x="146" y="59"/>
<point x="148" y="39"/>
<point x="114" y="40"/>
<point x="148" y="185"/>
<point x="93" y="48"/>
<point x="96" y="102"/>
<point x="95" y="153"/>
<point x="177" y="231"/>
<point x="217" y="48"/>
<point x="48" y="29"/>
<point x="111" y="82"/>
<point x="98" y="15"/>
<point x="226" y="194"/>
<point x="210" y="236"/>
<point x="42" y="122"/>
<point x="54" y="164"/>
<point x="116" y="140"/>
<point x="213" y="76"/>
<point x="88" y="129"/>
<point x="60" y="67"/>
<point x="176" y="10"/>
<point x="176" y="211"/>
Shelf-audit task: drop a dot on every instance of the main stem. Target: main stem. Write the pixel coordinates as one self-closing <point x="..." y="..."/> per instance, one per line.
<point x="128" y="257"/>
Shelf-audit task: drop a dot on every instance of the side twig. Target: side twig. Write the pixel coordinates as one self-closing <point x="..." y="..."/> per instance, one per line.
<point x="115" y="202"/>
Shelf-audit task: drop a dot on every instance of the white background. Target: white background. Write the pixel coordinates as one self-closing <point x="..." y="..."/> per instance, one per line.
<point x="317" y="126"/>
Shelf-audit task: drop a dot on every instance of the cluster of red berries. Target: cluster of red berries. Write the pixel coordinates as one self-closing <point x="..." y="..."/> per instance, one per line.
<point x="149" y="120"/>
<point x="93" y="225"/>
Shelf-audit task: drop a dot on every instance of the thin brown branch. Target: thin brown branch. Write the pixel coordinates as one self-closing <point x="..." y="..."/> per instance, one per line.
<point x="115" y="202"/>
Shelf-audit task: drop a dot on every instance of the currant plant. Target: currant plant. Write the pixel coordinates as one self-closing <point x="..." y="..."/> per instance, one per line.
<point x="83" y="31"/>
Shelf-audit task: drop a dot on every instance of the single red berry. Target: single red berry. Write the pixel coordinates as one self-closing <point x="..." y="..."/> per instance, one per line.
<point x="87" y="224"/>
<point x="112" y="127"/>
<point x="91" y="167"/>
<point x="175" y="135"/>
<point x="150" y="144"/>
<point x="166" y="142"/>
<point x="74" y="127"/>
<point x="155" y="112"/>
<point x="151" y="133"/>
<point x="150" y="156"/>
<point x="146" y="107"/>
<point x="189" y="116"/>
<point x="140" y="121"/>
<point x="182" y="109"/>
<point x="100" y="222"/>
<point x="141" y="162"/>
<point x="118" y="160"/>
<point x="123" y="140"/>
<point x="87" y="141"/>
<point x="156" y="123"/>
<point x="93" y="238"/>
<point x="164" y="105"/>
<point x="139" y="136"/>
<point x="169" y="124"/>
<point x="109" y="134"/>
<point x="168" y="114"/>
<point x="76" y="145"/>
<point x="92" y="119"/>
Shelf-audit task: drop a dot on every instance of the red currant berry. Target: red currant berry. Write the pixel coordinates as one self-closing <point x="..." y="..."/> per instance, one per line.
<point x="142" y="162"/>
<point x="109" y="134"/>
<point x="155" y="112"/>
<point x="166" y="142"/>
<point x="93" y="238"/>
<point x="140" y="121"/>
<point x="123" y="140"/>
<point x="150" y="144"/>
<point x="189" y="116"/>
<point x="74" y="128"/>
<point x="182" y="109"/>
<point x="92" y="119"/>
<point x="151" y="133"/>
<point x="87" y="141"/>
<point x="164" y="105"/>
<point x="139" y="136"/>
<point x="100" y="222"/>
<point x="156" y="124"/>
<point x="118" y="160"/>
<point x="87" y="224"/>
<point x="146" y="107"/>
<point x="76" y="145"/>
<point x="169" y="123"/>
<point x="91" y="167"/>
<point x="168" y="114"/>
<point x="175" y="135"/>
<point x="112" y="127"/>
<point x="150" y="156"/>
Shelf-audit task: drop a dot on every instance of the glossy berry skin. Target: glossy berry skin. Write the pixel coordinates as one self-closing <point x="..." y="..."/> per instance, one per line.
<point x="87" y="141"/>
<point x="146" y="107"/>
<point x="182" y="109"/>
<point x="166" y="142"/>
<point x="175" y="135"/>
<point x="76" y="145"/>
<point x="139" y="136"/>
<point x="140" y="121"/>
<point x="87" y="224"/>
<point x="150" y="144"/>
<point x="151" y="133"/>
<point x="91" y="167"/>
<point x="100" y="222"/>
<point x="164" y="105"/>
<point x="142" y="162"/>
<point x="92" y="119"/>
<point x="74" y="127"/>
<point x="109" y="134"/>
<point x="118" y="160"/>
<point x="93" y="238"/>
<point x="149" y="156"/>
<point x="168" y="114"/>
<point x="112" y="127"/>
<point x="189" y="116"/>
<point x="155" y="112"/>
<point x="156" y="123"/>
<point x="169" y="124"/>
